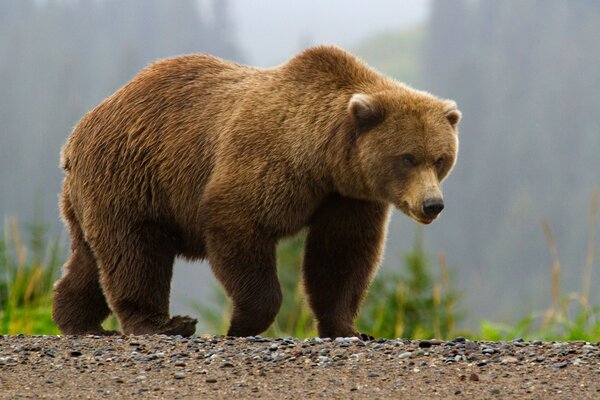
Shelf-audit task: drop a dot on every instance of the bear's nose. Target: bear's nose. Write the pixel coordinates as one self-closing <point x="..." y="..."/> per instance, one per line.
<point x="432" y="207"/>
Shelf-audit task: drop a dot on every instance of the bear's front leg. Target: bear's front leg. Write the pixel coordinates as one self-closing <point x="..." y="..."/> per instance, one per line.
<point x="245" y="265"/>
<point x="343" y="250"/>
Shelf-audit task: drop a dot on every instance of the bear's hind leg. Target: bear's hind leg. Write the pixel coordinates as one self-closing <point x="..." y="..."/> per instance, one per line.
<point x="343" y="250"/>
<point x="136" y="268"/>
<point x="79" y="306"/>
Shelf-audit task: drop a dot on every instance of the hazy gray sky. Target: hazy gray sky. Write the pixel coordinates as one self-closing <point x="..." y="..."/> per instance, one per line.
<point x="270" y="31"/>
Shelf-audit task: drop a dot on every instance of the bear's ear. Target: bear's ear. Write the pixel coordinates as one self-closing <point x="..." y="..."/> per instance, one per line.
<point x="453" y="115"/>
<point x="364" y="110"/>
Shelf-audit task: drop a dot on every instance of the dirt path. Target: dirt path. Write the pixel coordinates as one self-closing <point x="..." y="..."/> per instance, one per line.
<point x="217" y="367"/>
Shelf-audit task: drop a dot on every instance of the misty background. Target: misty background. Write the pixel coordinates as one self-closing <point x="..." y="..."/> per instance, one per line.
<point x="525" y="74"/>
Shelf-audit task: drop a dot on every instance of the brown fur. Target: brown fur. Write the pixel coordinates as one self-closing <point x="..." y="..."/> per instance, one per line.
<point x="202" y="158"/>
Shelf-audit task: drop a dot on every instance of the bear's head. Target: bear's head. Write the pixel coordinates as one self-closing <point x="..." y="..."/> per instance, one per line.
<point x="405" y="144"/>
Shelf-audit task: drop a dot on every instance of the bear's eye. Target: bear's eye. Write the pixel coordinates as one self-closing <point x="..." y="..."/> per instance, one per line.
<point x="408" y="160"/>
<point x="439" y="164"/>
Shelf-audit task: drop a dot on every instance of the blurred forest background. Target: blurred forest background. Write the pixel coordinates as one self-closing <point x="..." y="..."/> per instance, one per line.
<point x="525" y="73"/>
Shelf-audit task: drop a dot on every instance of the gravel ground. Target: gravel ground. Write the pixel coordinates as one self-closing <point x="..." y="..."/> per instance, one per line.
<point x="256" y="367"/>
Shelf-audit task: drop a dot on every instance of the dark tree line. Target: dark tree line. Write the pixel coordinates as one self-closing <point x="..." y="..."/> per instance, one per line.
<point x="527" y="77"/>
<point x="58" y="59"/>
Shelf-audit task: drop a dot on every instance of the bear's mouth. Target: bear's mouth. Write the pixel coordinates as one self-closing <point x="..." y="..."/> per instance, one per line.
<point x="425" y="221"/>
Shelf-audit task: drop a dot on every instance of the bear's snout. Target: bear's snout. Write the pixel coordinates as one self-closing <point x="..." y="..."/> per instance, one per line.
<point x="432" y="207"/>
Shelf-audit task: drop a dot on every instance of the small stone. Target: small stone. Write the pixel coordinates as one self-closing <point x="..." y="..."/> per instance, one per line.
<point x="75" y="353"/>
<point x="227" y="364"/>
<point x="459" y="339"/>
<point x="405" y="355"/>
<point x="180" y="375"/>
<point x="117" y="379"/>
<point x="267" y="357"/>
<point x="474" y="377"/>
<point x="428" y="343"/>
<point x="488" y="350"/>
<point x="482" y="363"/>
<point x="317" y="340"/>
<point x="560" y="364"/>
<point x="373" y="374"/>
<point x="495" y="391"/>
<point x="273" y="347"/>
<point x="509" y="360"/>
<point x="211" y="380"/>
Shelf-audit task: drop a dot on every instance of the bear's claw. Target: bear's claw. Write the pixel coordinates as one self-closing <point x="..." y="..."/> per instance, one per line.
<point x="179" y="325"/>
<point x="366" y="337"/>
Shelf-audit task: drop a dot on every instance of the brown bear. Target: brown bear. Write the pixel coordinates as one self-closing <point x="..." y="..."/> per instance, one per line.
<point x="206" y="159"/>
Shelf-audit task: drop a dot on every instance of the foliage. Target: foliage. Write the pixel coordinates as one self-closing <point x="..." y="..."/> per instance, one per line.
<point x="27" y="273"/>
<point x="410" y="304"/>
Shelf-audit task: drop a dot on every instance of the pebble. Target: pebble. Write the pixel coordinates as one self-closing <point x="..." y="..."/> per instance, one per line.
<point x="429" y="343"/>
<point x="180" y="375"/>
<point x="404" y="355"/>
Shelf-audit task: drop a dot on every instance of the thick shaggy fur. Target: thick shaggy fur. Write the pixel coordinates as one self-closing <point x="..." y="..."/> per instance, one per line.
<point x="202" y="158"/>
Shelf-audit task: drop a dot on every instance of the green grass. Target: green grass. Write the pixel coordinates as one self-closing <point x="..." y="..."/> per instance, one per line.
<point x="27" y="272"/>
